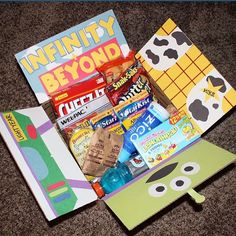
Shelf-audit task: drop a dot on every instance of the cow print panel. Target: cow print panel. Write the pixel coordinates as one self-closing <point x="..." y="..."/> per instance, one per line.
<point x="199" y="112"/>
<point x="181" y="38"/>
<point x="217" y="82"/>
<point x="155" y="58"/>
<point x="162" y="42"/>
<point x="171" y="53"/>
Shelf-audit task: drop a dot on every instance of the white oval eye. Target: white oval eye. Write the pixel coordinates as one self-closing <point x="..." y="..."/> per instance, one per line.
<point x="157" y="190"/>
<point x="190" y="168"/>
<point x="180" y="183"/>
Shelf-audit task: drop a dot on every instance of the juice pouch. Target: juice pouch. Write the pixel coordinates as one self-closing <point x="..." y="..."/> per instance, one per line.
<point x="113" y="69"/>
<point x="70" y="99"/>
<point x="132" y="82"/>
<point x="107" y="120"/>
<point x="129" y="111"/>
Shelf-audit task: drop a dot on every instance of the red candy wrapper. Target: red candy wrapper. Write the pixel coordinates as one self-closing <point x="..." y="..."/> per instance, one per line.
<point x="132" y="82"/>
<point x="113" y="69"/>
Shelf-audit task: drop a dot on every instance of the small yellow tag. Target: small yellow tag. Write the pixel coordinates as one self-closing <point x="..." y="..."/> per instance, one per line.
<point x="14" y="126"/>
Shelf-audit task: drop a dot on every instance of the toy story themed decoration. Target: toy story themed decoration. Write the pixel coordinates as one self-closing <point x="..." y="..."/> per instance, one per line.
<point x="179" y="160"/>
<point x="157" y="188"/>
<point x="50" y="170"/>
<point x="186" y="76"/>
<point x="73" y="55"/>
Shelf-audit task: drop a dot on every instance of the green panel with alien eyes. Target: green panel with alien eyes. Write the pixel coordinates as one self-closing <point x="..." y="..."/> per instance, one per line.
<point x="165" y="184"/>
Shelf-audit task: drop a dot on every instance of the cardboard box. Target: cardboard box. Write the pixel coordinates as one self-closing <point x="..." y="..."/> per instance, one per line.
<point x="178" y="69"/>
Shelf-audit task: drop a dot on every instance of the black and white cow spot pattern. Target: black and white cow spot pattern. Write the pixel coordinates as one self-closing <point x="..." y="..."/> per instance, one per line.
<point x="162" y="42"/>
<point x="198" y="110"/>
<point x="181" y="38"/>
<point x="208" y="94"/>
<point x="217" y="82"/>
<point x="152" y="56"/>
<point x="170" y="53"/>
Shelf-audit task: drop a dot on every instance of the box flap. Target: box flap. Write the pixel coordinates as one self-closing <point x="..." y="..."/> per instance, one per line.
<point x="73" y="55"/>
<point x="51" y="172"/>
<point x="186" y="76"/>
<point x="157" y="188"/>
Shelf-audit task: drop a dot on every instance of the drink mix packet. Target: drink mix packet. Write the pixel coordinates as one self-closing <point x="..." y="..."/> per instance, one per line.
<point x="72" y="98"/>
<point x="132" y="82"/>
<point x="107" y="120"/>
<point x="113" y="69"/>
<point x="103" y="151"/>
<point x="129" y="111"/>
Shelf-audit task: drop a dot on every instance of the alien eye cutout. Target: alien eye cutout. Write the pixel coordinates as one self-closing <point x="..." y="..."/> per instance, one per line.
<point x="157" y="190"/>
<point x="162" y="172"/>
<point x="190" y="168"/>
<point x="180" y="183"/>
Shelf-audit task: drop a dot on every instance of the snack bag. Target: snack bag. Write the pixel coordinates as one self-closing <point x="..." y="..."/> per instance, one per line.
<point x="129" y="111"/>
<point x="80" y="124"/>
<point x="107" y="120"/>
<point x="70" y="99"/>
<point x="102" y="153"/>
<point x="113" y="69"/>
<point x="79" y="143"/>
<point x="132" y="82"/>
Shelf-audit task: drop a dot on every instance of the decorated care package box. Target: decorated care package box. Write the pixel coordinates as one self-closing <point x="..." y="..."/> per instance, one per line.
<point x="178" y="71"/>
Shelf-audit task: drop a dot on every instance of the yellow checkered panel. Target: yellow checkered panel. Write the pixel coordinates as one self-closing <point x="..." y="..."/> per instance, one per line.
<point x="190" y="81"/>
<point x="169" y="26"/>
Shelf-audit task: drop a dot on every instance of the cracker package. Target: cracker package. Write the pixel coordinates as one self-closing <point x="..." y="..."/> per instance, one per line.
<point x="102" y="153"/>
<point x="72" y="98"/>
<point x="80" y="118"/>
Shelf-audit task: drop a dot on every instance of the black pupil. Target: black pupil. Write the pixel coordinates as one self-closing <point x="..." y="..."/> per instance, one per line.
<point x="188" y="168"/>
<point x="160" y="189"/>
<point x="179" y="183"/>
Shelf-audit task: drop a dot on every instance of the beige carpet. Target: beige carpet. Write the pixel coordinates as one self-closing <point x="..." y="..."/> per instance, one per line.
<point x="212" y="27"/>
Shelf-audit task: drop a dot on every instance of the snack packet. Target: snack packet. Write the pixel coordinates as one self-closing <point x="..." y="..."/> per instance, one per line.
<point x="81" y="116"/>
<point x="129" y="111"/>
<point x="132" y="82"/>
<point x="72" y="98"/>
<point x="79" y="143"/>
<point x="107" y="120"/>
<point x="166" y="139"/>
<point x="113" y="69"/>
<point x="80" y="124"/>
<point x="102" y="153"/>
